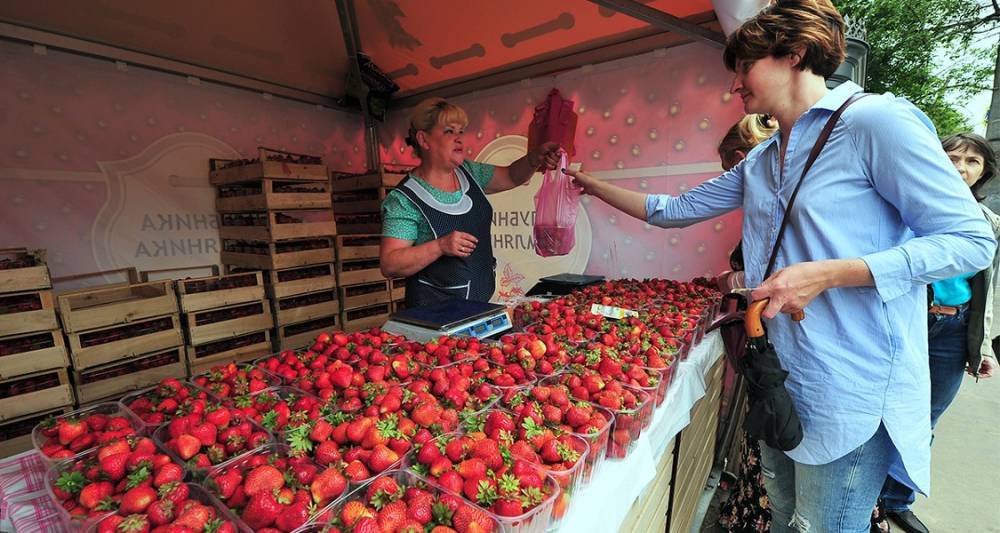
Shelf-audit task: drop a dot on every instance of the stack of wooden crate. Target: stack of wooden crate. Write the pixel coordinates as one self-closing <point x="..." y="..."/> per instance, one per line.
<point x="34" y="383"/>
<point x="275" y="216"/>
<point x="121" y="336"/>
<point x="226" y="318"/>
<point x="366" y="297"/>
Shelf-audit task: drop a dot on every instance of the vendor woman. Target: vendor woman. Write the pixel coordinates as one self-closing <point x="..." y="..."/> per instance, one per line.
<point x="436" y="223"/>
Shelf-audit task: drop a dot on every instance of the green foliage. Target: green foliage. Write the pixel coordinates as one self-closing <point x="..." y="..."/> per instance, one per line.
<point x="936" y="53"/>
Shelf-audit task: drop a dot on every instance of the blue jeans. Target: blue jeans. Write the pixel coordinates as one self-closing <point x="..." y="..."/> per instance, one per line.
<point x="837" y="497"/>
<point x="947" y="347"/>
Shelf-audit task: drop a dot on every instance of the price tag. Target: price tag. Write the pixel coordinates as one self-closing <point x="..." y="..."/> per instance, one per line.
<point x="612" y="312"/>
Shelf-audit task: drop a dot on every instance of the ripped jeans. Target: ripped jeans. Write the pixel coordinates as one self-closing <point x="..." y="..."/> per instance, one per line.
<point x="837" y="497"/>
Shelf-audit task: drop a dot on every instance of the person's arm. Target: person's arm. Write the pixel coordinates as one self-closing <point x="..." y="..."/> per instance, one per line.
<point x="517" y="173"/>
<point x="712" y="198"/>
<point x="905" y="164"/>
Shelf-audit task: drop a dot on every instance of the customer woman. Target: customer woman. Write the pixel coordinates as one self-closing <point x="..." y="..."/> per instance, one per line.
<point x="436" y="223"/>
<point x="881" y="213"/>
<point x="959" y="320"/>
<point x="747" y="509"/>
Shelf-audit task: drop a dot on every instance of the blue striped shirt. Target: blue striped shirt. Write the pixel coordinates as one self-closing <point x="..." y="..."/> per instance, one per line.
<point x="884" y="191"/>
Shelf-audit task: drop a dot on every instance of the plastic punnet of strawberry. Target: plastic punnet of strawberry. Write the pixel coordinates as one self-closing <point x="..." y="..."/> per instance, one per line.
<point x="275" y="487"/>
<point x="277" y="409"/>
<point x="402" y="501"/>
<point x="158" y="404"/>
<point x="124" y="474"/>
<point x="502" y="376"/>
<point x="226" y="381"/>
<point x="446" y="350"/>
<point x="200" y="440"/>
<point x="543" y="354"/>
<point x="186" y="506"/>
<point x="65" y="437"/>
<point x="455" y="389"/>
<point x="485" y="471"/>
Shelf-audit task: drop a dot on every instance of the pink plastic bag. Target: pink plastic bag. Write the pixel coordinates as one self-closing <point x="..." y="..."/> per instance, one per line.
<point x="555" y="213"/>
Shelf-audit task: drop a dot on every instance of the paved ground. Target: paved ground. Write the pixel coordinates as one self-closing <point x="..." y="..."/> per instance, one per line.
<point x="965" y="469"/>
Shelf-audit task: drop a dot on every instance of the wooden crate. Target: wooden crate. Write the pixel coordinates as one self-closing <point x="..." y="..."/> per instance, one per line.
<point x="358" y="271"/>
<point x="344" y="182"/>
<point x="33" y="393"/>
<point x="270" y="163"/>
<point x="87" y="309"/>
<point x="222" y="323"/>
<point x="23" y="270"/>
<point x="32" y="352"/>
<point x="26" y="312"/>
<point x="259" y="255"/>
<point x="113" y="343"/>
<point x="15" y="435"/>
<point x="300" y="280"/>
<point x="242" y="348"/>
<point x="294" y="336"/>
<point x="361" y="201"/>
<point x="398" y="306"/>
<point x="358" y="224"/>
<point x="277" y="225"/>
<point x="352" y="320"/>
<point x="117" y="379"/>
<point x="268" y="194"/>
<point x="303" y="307"/>
<point x="358" y="247"/>
<point x="364" y="294"/>
<point x="398" y="288"/>
<point x="197" y="294"/>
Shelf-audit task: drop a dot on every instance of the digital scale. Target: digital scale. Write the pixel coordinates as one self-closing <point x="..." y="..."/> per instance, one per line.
<point x="451" y="317"/>
<point x="562" y="284"/>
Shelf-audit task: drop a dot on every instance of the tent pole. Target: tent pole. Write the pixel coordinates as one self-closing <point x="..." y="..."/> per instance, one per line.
<point x="664" y="21"/>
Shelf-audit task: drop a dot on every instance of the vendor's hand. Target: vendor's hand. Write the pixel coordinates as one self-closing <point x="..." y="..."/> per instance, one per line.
<point x="546" y="156"/>
<point x="792" y="288"/>
<point x="457" y="244"/>
<point x="583" y="180"/>
<point x="986" y="368"/>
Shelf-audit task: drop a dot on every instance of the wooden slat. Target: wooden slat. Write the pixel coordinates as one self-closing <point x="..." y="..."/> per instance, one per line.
<point x="130" y="381"/>
<point x="293" y="336"/>
<point x="364" y="295"/>
<point x="368" y="273"/>
<point x="96" y="355"/>
<point x="197" y="365"/>
<point x="30" y="278"/>
<point x="303" y="313"/>
<point x="96" y="308"/>
<point x="274" y="231"/>
<point x="27" y="362"/>
<point x="277" y="261"/>
<point x="270" y="198"/>
<point x="197" y="301"/>
<point x="227" y="329"/>
<point x="267" y="169"/>
<point x="60" y="395"/>
<point x="43" y="319"/>
<point x="321" y="277"/>
<point x="358" y="247"/>
<point x="352" y="319"/>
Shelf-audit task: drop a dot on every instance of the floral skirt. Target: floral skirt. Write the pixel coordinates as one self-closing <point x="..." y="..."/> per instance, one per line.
<point x="747" y="509"/>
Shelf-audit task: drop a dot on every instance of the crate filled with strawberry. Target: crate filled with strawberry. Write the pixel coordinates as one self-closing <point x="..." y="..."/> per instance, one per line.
<point x="402" y="501"/>
<point x="553" y="406"/>
<point x="126" y="475"/>
<point x="277" y="409"/>
<point x="158" y="404"/>
<point x="227" y="381"/>
<point x="64" y="437"/>
<point x="271" y="487"/>
<point x="633" y="408"/>
<point x="200" y="440"/>
<point x="515" y="491"/>
<point x="542" y="354"/>
<point x="185" y="507"/>
<point x="560" y="454"/>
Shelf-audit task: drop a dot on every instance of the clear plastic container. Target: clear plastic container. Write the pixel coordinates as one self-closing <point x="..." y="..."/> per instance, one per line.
<point x="664" y="378"/>
<point x="270" y="379"/>
<point x="151" y="394"/>
<point x="628" y="425"/>
<point x="162" y="438"/>
<point x="405" y="479"/>
<point x="109" y="409"/>
<point x="200" y="494"/>
<point x="280" y="450"/>
<point x="535" y="520"/>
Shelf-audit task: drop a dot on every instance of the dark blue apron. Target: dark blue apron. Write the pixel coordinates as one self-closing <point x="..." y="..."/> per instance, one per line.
<point x="470" y="278"/>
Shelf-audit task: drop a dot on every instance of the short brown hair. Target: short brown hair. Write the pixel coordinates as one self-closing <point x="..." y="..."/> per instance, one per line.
<point x="786" y="26"/>
<point x="978" y="144"/>
<point x="433" y="112"/>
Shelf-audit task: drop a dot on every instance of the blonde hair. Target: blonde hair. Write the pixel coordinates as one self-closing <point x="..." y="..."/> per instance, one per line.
<point x="750" y="131"/>
<point x="433" y="112"/>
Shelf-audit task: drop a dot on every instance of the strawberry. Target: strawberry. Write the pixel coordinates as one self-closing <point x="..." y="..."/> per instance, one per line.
<point x="194" y="516"/>
<point x="392" y="516"/>
<point x="218" y="417"/>
<point x="168" y="473"/>
<point x="69" y="430"/>
<point x="110" y="524"/>
<point x="354" y="511"/>
<point x="135" y="523"/>
<point x="292" y="516"/>
<point x="320" y="431"/>
<point x="356" y="471"/>
<point x="175" y="492"/>
<point x="187" y="446"/>
<point x="114" y="465"/>
<point x="508" y="507"/>
<point x="468" y="518"/>
<point x="367" y="524"/>
<point x="160" y="513"/>
<point x="326" y="453"/>
<point x="264" y="478"/>
<point x="327" y="486"/>
<point x="382" y="458"/>
<point x="137" y="499"/>
<point x="206" y="433"/>
<point x="92" y="494"/>
<point x="261" y="511"/>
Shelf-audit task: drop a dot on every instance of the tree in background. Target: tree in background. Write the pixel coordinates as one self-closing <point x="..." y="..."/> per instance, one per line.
<point x="936" y="53"/>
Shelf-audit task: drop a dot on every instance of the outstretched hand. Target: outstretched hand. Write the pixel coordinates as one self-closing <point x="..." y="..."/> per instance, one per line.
<point x="583" y="180"/>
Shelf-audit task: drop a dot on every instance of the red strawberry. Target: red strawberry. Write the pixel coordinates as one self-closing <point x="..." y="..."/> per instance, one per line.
<point x="136" y="500"/>
<point x="356" y="471"/>
<point x="114" y="465"/>
<point x="392" y="516"/>
<point x="469" y="518"/>
<point x="91" y="495"/>
<point x="264" y="478"/>
<point x="206" y="433"/>
<point x="292" y="516"/>
<point x="69" y="430"/>
<point x="218" y="417"/>
<point x="187" y="446"/>
<point x="194" y="516"/>
<point x="508" y="507"/>
<point x="382" y="458"/>
<point x="175" y="492"/>
<point x="168" y="473"/>
<point x="135" y="523"/>
<point x="327" y="486"/>
<point x="161" y="512"/>
<point x="353" y="512"/>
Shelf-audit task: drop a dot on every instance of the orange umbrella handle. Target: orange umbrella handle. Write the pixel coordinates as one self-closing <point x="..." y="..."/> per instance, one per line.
<point x="752" y="321"/>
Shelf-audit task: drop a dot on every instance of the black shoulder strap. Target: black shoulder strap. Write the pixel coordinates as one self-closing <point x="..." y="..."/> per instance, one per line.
<point x="816" y="149"/>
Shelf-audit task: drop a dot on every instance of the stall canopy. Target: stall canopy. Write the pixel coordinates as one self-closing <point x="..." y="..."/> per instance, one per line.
<point x="304" y="49"/>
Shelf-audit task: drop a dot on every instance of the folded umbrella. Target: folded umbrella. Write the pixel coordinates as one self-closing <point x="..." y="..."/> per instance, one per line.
<point x="771" y="415"/>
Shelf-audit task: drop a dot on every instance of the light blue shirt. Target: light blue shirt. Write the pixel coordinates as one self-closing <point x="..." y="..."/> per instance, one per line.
<point x="884" y="191"/>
